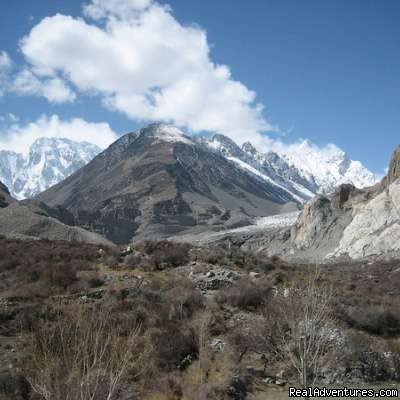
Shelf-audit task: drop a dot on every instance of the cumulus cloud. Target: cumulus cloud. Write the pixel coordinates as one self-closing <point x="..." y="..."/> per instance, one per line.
<point x="18" y="137"/>
<point x="55" y="90"/>
<point x="142" y="62"/>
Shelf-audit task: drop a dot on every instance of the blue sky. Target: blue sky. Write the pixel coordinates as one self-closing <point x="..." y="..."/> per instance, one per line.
<point x="323" y="70"/>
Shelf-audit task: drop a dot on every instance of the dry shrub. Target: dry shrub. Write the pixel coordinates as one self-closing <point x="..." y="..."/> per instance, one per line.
<point x="245" y="294"/>
<point x="165" y="254"/>
<point x="81" y="355"/>
<point x="42" y="268"/>
<point x="236" y="257"/>
<point x="377" y="320"/>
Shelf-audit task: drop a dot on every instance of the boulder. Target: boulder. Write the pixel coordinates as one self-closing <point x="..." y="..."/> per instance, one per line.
<point x="394" y="167"/>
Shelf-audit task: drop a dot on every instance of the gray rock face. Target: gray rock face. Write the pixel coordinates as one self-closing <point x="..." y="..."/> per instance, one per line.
<point x="353" y="223"/>
<point x="375" y="227"/>
<point x="394" y="167"/>
<point x="158" y="182"/>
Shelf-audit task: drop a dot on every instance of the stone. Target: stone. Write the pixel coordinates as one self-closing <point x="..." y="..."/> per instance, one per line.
<point x="394" y="167"/>
<point x="218" y="345"/>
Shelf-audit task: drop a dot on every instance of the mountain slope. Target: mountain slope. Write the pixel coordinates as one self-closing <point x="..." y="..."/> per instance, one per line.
<point x="159" y="182"/>
<point x="30" y="219"/>
<point x="49" y="161"/>
<point x="303" y="170"/>
<point x="269" y="167"/>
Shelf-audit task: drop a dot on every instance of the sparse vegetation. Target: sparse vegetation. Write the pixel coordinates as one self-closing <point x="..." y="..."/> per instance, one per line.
<point x="182" y="339"/>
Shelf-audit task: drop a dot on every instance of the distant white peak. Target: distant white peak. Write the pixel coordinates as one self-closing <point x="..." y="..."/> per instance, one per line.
<point x="170" y="133"/>
<point x="329" y="166"/>
<point x="249" y="148"/>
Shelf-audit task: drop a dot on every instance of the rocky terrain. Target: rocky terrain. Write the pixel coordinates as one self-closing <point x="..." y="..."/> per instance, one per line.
<point x="49" y="161"/>
<point x="206" y="320"/>
<point x="215" y="309"/>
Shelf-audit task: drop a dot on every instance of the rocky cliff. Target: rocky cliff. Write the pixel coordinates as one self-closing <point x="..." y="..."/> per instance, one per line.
<point x="353" y="223"/>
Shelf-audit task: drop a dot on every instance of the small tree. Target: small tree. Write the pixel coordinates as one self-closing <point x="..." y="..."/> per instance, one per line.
<point x="306" y="327"/>
<point x="82" y="355"/>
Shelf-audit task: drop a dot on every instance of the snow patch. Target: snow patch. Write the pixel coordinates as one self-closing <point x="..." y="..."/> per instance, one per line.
<point x="265" y="223"/>
<point x="254" y="171"/>
<point x="170" y="133"/>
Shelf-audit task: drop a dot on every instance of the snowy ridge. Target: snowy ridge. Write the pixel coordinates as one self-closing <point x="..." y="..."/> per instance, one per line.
<point x="301" y="170"/>
<point x="268" y="167"/>
<point x="254" y="171"/>
<point x="329" y="167"/>
<point x="49" y="161"/>
<point x="170" y="133"/>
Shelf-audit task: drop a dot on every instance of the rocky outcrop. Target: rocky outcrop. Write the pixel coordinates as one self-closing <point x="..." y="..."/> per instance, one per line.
<point x="394" y="167"/>
<point x="353" y="222"/>
<point x="375" y="227"/>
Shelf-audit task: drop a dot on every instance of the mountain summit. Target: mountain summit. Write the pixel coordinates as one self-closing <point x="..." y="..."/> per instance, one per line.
<point x="158" y="182"/>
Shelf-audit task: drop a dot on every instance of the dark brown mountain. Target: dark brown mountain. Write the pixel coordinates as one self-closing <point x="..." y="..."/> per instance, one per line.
<point x="5" y="197"/>
<point x="158" y="182"/>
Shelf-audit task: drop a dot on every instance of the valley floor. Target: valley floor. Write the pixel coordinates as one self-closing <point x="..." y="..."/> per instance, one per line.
<point x="189" y="322"/>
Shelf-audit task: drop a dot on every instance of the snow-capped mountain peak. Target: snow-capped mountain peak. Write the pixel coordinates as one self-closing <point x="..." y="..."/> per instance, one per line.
<point x="300" y="170"/>
<point x="328" y="167"/>
<point x="48" y="161"/>
<point x="303" y="169"/>
<point x="165" y="133"/>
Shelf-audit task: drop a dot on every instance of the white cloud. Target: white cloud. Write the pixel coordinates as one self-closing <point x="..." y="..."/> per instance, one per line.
<point x="18" y="137"/>
<point x="144" y="63"/>
<point x="124" y="9"/>
<point x="5" y="61"/>
<point x="54" y="89"/>
<point x="5" y="70"/>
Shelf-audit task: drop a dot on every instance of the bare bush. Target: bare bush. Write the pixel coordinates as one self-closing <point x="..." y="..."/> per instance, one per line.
<point x="306" y="327"/>
<point x="82" y="355"/>
<point x="164" y="253"/>
<point x="245" y="294"/>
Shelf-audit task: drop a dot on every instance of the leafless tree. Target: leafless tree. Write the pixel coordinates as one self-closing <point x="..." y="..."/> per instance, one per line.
<point x="306" y="329"/>
<point x="82" y="355"/>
